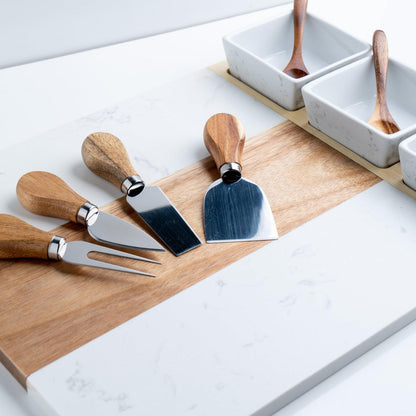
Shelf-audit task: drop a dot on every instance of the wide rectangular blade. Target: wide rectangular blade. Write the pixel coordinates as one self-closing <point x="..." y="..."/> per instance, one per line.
<point x="112" y="230"/>
<point x="164" y="219"/>
<point x="237" y="211"/>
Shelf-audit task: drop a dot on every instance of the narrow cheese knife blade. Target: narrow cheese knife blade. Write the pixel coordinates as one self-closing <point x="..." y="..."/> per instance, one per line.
<point x="112" y="230"/>
<point x="46" y="194"/>
<point x="164" y="219"/>
<point x="105" y="155"/>
<point x="235" y="209"/>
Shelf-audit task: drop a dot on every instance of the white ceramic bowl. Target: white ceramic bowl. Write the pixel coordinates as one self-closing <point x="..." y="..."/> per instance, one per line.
<point x="258" y="55"/>
<point x="340" y="104"/>
<point x="407" y="153"/>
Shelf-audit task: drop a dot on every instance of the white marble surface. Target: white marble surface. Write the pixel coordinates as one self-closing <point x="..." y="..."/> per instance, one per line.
<point x="381" y="382"/>
<point x="41" y="96"/>
<point x="54" y="92"/>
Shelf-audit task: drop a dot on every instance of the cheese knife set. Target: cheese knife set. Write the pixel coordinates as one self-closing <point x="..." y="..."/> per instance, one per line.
<point x="235" y="209"/>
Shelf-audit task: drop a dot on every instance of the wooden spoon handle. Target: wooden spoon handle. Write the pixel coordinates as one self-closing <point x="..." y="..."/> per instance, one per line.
<point x="18" y="239"/>
<point x="224" y="138"/>
<point x="106" y="156"/>
<point x="381" y="62"/>
<point x="44" y="193"/>
<point x="299" y="17"/>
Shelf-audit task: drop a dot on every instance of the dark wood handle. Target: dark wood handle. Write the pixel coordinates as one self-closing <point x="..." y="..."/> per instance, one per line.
<point x="18" y="239"/>
<point x="381" y="62"/>
<point x="45" y="194"/>
<point x="224" y="138"/>
<point x="106" y="156"/>
<point x="299" y="17"/>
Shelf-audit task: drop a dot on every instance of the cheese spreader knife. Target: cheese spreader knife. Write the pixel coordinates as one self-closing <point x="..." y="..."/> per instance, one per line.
<point x="105" y="155"/>
<point x="18" y="239"/>
<point x="44" y="193"/>
<point x="235" y="209"/>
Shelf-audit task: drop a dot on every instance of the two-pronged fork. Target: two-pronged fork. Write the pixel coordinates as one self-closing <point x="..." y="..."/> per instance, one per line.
<point x="18" y="239"/>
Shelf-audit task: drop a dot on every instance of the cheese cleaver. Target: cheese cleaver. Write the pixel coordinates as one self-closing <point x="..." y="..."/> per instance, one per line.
<point x="106" y="156"/>
<point x="235" y="209"/>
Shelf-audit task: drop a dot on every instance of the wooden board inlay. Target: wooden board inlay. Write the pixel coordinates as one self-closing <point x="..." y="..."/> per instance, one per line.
<point x="48" y="309"/>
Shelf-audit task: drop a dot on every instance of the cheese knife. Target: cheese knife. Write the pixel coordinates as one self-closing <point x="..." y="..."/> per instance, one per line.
<point x="106" y="156"/>
<point x="44" y="193"/>
<point x="235" y="209"/>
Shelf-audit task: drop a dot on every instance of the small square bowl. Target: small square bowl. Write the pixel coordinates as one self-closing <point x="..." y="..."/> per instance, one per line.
<point x="407" y="153"/>
<point x="258" y="55"/>
<point x="340" y="104"/>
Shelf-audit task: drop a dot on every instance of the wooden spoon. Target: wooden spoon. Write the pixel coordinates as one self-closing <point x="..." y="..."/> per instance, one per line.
<point x="381" y="118"/>
<point x="296" y="67"/>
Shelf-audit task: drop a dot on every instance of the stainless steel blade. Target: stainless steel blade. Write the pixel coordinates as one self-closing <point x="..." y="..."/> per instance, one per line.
<point x="163" y="218"/>
<point x="76" y="252"/>
<point x="112" y="230"/>
<point x="237" y="211"/>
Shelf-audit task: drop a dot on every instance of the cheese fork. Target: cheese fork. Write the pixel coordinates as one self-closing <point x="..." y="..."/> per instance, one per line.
<point x="18" y="239"/>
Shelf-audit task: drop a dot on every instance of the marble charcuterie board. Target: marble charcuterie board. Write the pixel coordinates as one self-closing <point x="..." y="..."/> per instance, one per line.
<point x="268" y="323"/>
<point x="259" y="333"/>
<point x="43" y="303"/>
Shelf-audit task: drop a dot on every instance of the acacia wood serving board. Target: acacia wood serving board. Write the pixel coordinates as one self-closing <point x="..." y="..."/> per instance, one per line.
<point x="48" y="309"/>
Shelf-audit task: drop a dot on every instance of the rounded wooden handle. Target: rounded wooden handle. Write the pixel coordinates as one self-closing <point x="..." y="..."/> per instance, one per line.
<point x="106" y="156"/>
<point x="44" y="193"/>
<point x="224" y="138"/>
<point x="18" y="239"/>
<point x="381" y="62"/>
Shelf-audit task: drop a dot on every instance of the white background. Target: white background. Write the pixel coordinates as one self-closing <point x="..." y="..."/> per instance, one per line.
<point x="32" y="30"/>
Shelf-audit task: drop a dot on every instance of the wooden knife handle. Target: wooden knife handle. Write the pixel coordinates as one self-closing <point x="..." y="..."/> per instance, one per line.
<point x="224" y="138"/>
<point x="44" y="193"/>
<point x="18" y="239"/>
<point x="106" y="156"/>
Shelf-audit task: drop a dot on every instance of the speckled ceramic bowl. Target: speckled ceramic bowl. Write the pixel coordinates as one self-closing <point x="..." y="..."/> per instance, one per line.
<point x="340" y="104"/>
<point x="407" y="153"/>
<point x="258" y="55"/>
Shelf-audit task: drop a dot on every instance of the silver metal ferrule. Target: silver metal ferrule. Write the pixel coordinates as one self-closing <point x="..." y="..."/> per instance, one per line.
<point x="87" y="214"/>
<point x="56" y="248"/>
<point x="230" y="172"/>
<point x="132" y="186"/>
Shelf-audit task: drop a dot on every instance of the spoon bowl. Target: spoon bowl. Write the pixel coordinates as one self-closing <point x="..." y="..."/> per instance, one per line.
<point x="296" y="72"/>
<point x="386" y="126"/>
